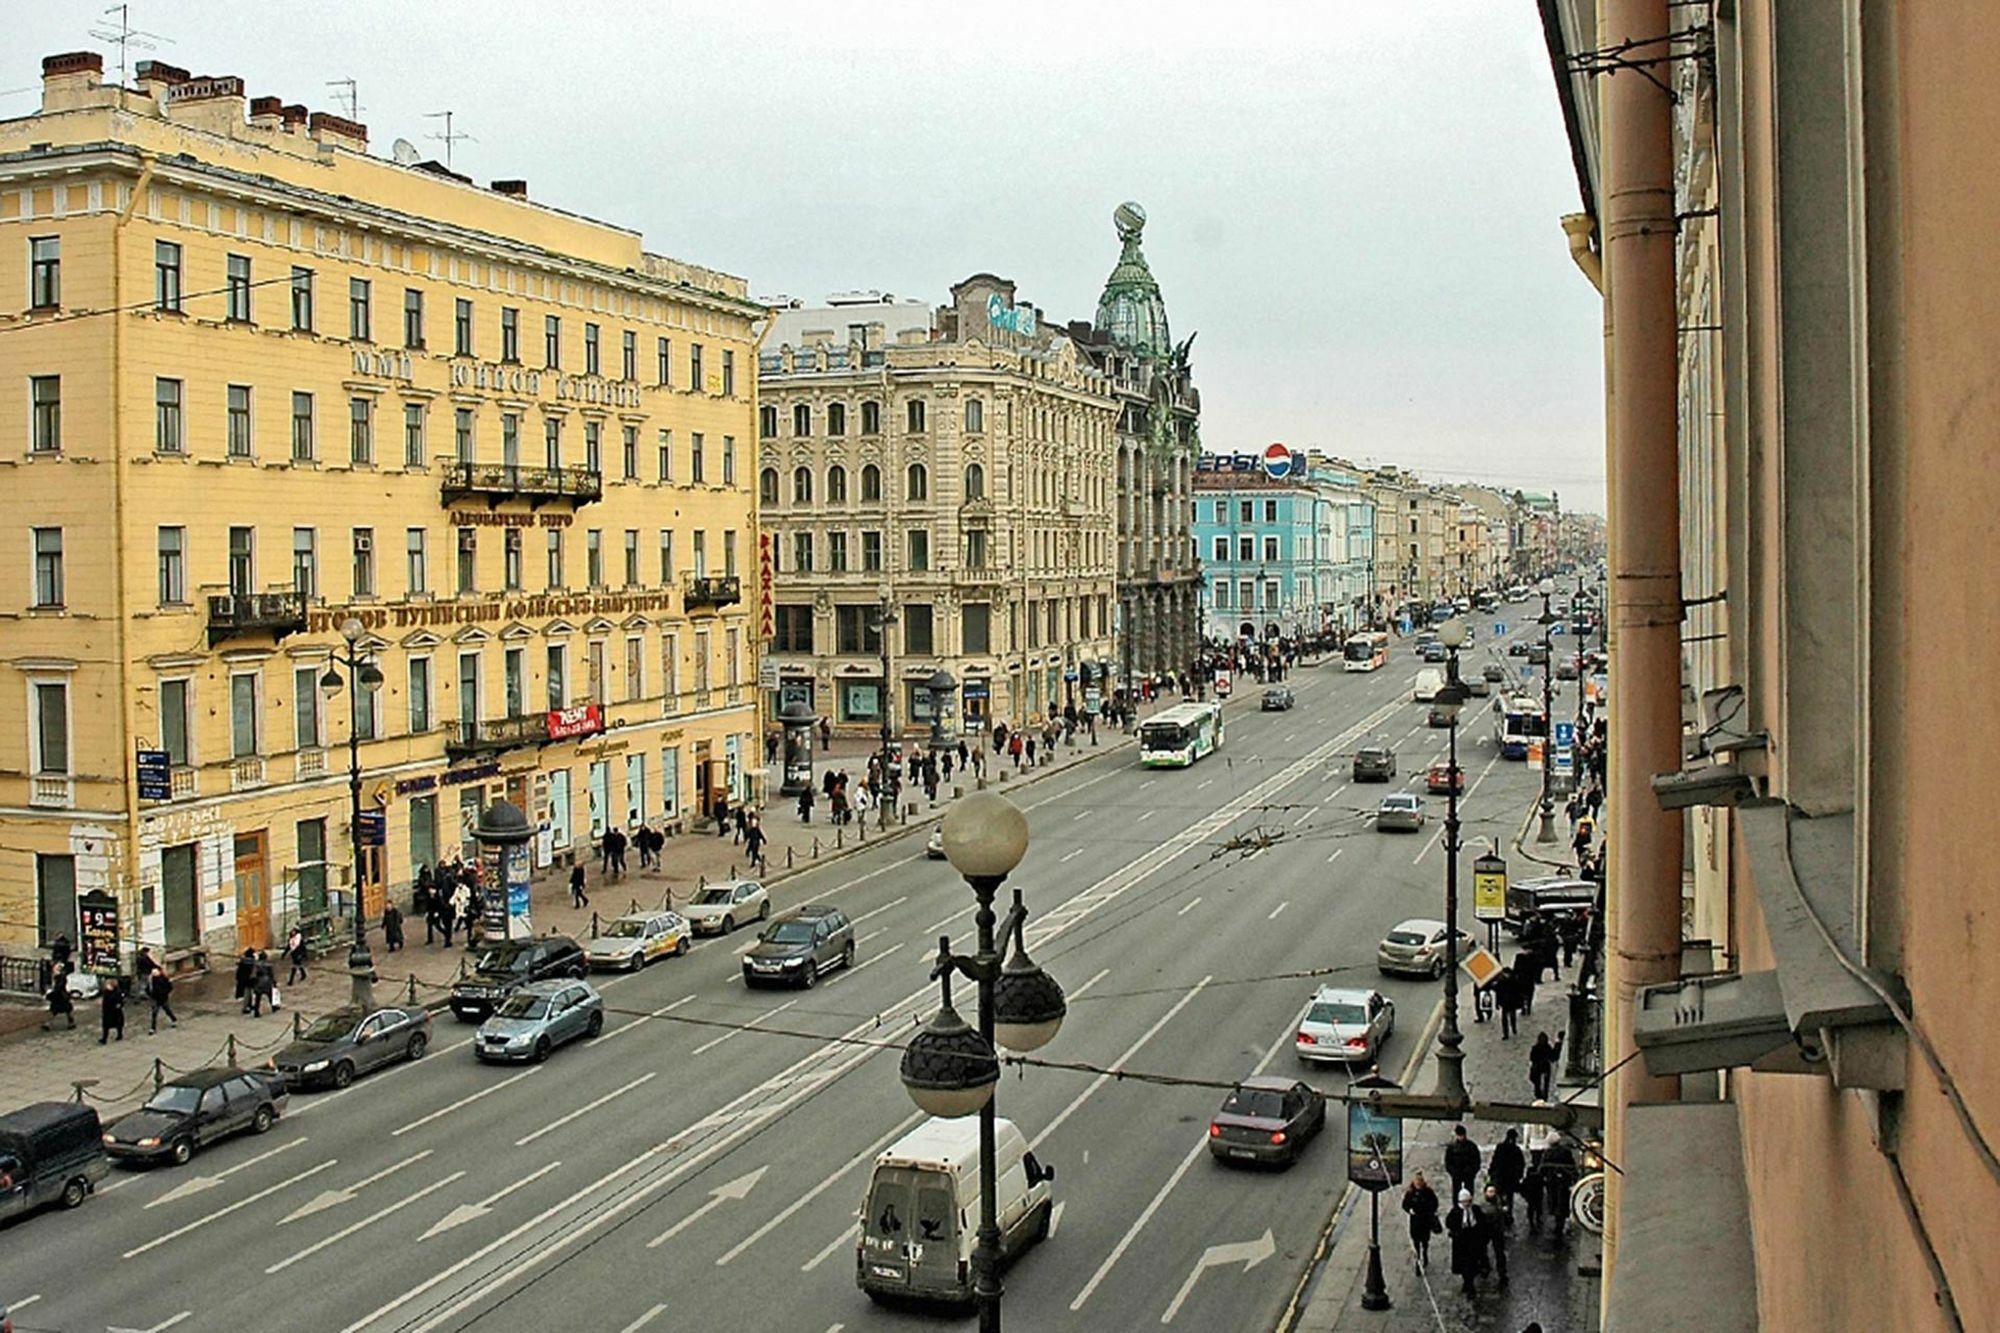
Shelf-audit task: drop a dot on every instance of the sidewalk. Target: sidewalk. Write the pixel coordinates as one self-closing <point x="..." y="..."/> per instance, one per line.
<point x="38" y="1065"/>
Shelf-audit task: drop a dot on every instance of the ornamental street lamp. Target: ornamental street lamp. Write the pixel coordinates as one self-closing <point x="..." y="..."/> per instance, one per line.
<point x="951" y="1069"/>
<point x="364" y="675"/>
<point x="1547" y="832"/>
<point x="1448" y="700"/>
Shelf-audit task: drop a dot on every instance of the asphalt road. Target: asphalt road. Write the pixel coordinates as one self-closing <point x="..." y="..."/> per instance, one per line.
<point x="680" y="1172"/>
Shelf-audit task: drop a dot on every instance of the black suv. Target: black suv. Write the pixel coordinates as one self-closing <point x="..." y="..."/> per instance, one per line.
<point x="501" y="969"/>
<point x="1374" y="763"/>
<point x="800" y="945"/>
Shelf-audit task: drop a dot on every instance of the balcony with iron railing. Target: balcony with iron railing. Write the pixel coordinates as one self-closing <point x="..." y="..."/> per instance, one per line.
<point x="232" y="615"/>
<point x="496" y="734"/>
<point x="712" y="592"/>
<point x="494" y="482"/>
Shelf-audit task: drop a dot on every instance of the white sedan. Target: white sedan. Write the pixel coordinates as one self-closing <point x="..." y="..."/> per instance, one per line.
<point x="721" y="907"/>
<point x="635" y="940"/>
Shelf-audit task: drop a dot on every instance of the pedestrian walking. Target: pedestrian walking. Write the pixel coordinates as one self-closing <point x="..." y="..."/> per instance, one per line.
<point x="1542" y="1057"/>
<point x="1420" y="1201"/>
<point x="721" y="812"/>
<point x="1468" y="1242"/>
<point x="246" y="970"/>
<point x="615" y="843"/>
<point x="142" y="969"/>
<point x="1461" y="1162"/>
<point x="111" y="1010"/>
<point x="160" y="991"/>
<point x="806" y="805"/>
<point x="421" y="903"/>
<point x="1526" y="967"/>
<point x="264" y="984"/>
<point x="1031" y="751"/>
<point x="467" y="903"/>
<point x="61" y="1006"/>
<point x="1507" y="998"/>
<point x="446" y="915"/>
<point x="1014" y="748"/>
<point x="1506" y="1169"/>
<point x="770" y="747"/>
<point x="295" y="949"/>
<point x="964" y="754"/>
<point x="825" y="733"/>
<point x="392" y="927"/>
<point x="577" y="897"/>
<point x="753" y="843"/>
<point x="1493" y="1221"/>
<point x="1558" y="1179"/>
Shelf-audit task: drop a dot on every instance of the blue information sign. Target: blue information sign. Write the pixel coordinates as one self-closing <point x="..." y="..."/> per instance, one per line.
<point x="373" y="829"/>
<point x="1499" y="627"/>
<point x="155" y="776"/>
<point x="1565" y="735"/>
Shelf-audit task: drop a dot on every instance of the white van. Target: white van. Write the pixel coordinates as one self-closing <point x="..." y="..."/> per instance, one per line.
<point x="920" y="1217"/>
<point x="1429" y="681"/>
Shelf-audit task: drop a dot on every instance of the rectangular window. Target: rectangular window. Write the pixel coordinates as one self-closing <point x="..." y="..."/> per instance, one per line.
<point x="700" y="554"/>
<point x="510" y="563"/>
<point x="461" y="327"/>
<point x="871" y="418"/>
<point x="975" y="416"/>
<point x="302" y="427"/>
<point x="793" y="629"/>
<point x="1246" y="549"/>
<point x="552" y="442"/>
<point x="728" y="373"/>
<point x="695" y="471"/>
<point x="857" y="629"/>
<point x="515" y="673"/>
<point x="1270" y="548"/>
<point x="167" y="275"/>
<point x="591" y="350"/>
<point x="311" y="843"/>
<point x="417" y="560"/>
<point x="1246" y="595"/>
<point x="360" y="313"/>
<point x="729" y="554"/>
<point x="468" y="560"/>
<point x="48" y="547"/>
<point x="413" y="318"/>
<point x="364" y="562"/>
<point x="364" y="703"/>
<point x="670" y="670"/>
<point x="237" y="289"/>
<point x="595" y="685"/>
<point x="552" y="341"/>
<point x="174" y="721"/>
<point x="1222" y="549"/>
<point x="976" y="626"/>
<point x="836" y="552"/>
<point x="510" y="439"/>
<point x="413" y="434"/>
<point x="871" y="552"/>
<point x="360" y="431"/>
<point x="695" y="381"/>
<point x="420" y="695"/>
<point x="462" y="441"/>
<point x="593" y="557"/>
<point x="1270" y="511"/>
<point x="629" y="438"/>
<point x="45" y="413"/>
<point x="173" y="566"/>
<point x="802" y="552"/>
<point x="666" y="557"/>
<point x="242" y="561"/>
<point x="558" y="664"/>
<point x="635" y="668"/>
<point x="167" y="436"/>
<point x="305" y="562"/>
<point x="44" y="272"/>
<point x="239" y="421"/>
<point x="975" y="548"/>
<point x="468" y="689"/>
<point x="632" y="557"/>
<point x="665" y="446"/>
<point x="836" y="420"/>
<point x="302" y="300"/>
<point x="914" y="410"/>
<point x="51" y="725"/>
<point x="628" y="355"/>
<point x="917" y="637"/>
<point x="1222" y="594"/>
<point x="510" y="334"/>
<point x="920" y="549"/>
<point x="556" y="558"/>
<point x="305" y="708"/>
<point x="1244" y="511"/>
<point x="593" y="446"/>
<point x="729" y="460"/>
<point x="243" y="720"/>
<point x="664" y="349"/>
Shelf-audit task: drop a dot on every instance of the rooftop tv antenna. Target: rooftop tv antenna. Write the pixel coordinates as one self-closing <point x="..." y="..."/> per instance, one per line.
<point x="122" y="34"/>
<point x="449" y="137"/>
<point x="348" y="95"/>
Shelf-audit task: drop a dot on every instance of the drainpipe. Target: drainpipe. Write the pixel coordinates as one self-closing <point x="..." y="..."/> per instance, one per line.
<point x="128" y="893"/>
<point x="1645" y="611"/>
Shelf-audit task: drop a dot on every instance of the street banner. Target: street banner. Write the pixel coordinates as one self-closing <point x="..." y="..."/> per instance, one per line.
<point x="1374" y="1140"/>
<point x="97" y="943"/>
<point x="1535" y="755"/>
<point x="582" y="720"/>
<point x="1489" y="889"/>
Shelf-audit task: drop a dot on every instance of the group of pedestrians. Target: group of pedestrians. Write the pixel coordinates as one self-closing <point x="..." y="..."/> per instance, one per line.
<point x="1480" y="1223"/>
<point x="257" y="978"/>
<point x="447" y="898"/>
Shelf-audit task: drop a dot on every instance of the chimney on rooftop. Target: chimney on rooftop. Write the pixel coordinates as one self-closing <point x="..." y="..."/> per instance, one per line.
<point x="267" y="113"/>
<point x="156" y="76"/>
<point x="513" y="189"/>
<point x="68" y="78"/>
<point x="338" y="131"/>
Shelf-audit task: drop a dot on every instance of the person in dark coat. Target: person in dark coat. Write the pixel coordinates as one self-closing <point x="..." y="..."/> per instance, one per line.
<point x="1526" y="968"/>
<point x="392" y="927"/>
<point x="1507" y="999"/>
<point x="721" y="812"/>
<point x="1461" y="1161"/>
<point x="1494" y="1220"/>
<point x="160" y="989"/>
<point x="1468" y="1242"/>
<point x="423" y="904"/>
<point x="1420" y="1201"/>
<point x="753" y="842"/>
<point x="295" y="950"/>
<point x="1558" y="1179"/>
<point x="806" y="805"/>
<point x="60" y="1004"/>
<point x="246" y="971"/>
<point x="1542" y="1057"/>
<point x="1505" y="1170"/>
<point x="142" y="970"/>
<point x="111" y="1010"/>
<point x="263" y="982"/>
<point x="577" y="897"/>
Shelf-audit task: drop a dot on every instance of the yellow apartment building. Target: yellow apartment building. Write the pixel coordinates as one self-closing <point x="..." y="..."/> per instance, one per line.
<point x="261" y="385"/>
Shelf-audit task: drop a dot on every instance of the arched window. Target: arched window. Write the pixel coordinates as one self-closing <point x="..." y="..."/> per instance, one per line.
<point x="836" y="485"/>
<point x="871" y="418"/>
<point x="917" y="483"/>
<point x="836" y="418"/>
<point x="975" y="482"/>
<point x="767" y="422"/>
<point x="871" y="484"/>
<point x="802" y="485"/>
<point x="802" y="419"/>
<point x="767" y="486"/>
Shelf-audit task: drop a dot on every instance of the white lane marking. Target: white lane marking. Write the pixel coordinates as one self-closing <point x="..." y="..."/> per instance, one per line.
<point x="1336" y="792"/>
<point x="1070" y="791"/>
<point x="353" y="1227"/>
<point x="326" y="1199"/>
<point x="1205" y="783"/>
<point x="325" y="1099"/>
<point x="1143" y="818"/>
<point x="1082" y="814"/>
<point x="468" y="1212"/>
<point x="1073" y="855"/>
<point x="879" y="870"/>
<point x="878" y="911"/>
<point x="1279" y="908"/>
<point x="160" y="1327"/>
<point x="846" y="1237"/>
<point x="1290" y="736"/>
<point x="1249" y="1253"/>
<point x="23" y="1302"/>
<point x="223" y="1212"/>
<point x="847" y="972"/>
<point x="644" y="1018"/>
<point x="1055" y="1216"/>
<point x="447" y="1109"/>
<point x="1304" y="815"/>
<point x="1192" y="903"/>
<point x="643" y="1319"/>
<point x="734" y="1191"/>
<point x="200" y="1183"/>
<point x="1335" y="855"/>
<point x="711" y="1045"/>
<point x="879" y="930"/>
<point x="865" y="1155"/>
<point x="585" y="1109"/>
<point x="962" y="912"/>
<point x="1119" y="1063"/>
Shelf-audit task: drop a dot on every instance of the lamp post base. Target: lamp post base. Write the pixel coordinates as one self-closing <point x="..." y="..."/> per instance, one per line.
<point x="1547" y="832"/>
<point x="1374" y="1291"/>
<point x="361" y="976"/>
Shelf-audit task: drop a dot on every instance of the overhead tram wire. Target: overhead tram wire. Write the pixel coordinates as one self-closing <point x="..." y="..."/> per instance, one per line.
<point x="96" y="312"/>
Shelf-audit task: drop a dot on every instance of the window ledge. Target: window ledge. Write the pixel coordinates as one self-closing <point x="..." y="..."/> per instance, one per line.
<point x="1684" y="1222"/>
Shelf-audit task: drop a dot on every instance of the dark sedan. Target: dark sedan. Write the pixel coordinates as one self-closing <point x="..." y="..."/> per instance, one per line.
<point x="1276" y="699"/>
<point x="346" y="1042"/>
<point x="194" y="1111"/>
<point x="1266" y="1119"/>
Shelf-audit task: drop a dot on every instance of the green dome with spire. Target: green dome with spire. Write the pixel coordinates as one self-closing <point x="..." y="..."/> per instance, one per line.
<point x="1131" y="310"/>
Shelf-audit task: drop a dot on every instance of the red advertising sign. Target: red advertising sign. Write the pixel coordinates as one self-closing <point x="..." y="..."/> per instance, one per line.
<point x="583" y="720"/>
<point x="766" y="564"/>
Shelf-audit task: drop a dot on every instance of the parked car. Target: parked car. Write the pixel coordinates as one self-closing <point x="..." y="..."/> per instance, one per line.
<point x="1345" y="1024"/>
<point x="538" y="1017"/>
<point x="1441" y="777"/>
<point x="799" y="946"/>
<point x="1415" y="948"/>
<point x="1375" y="762"/>
<point x="1401" y="811"/>
<point x="195" y="1110"/>
<point x="50" y="1152"/>
<point x="726" y="904"/>
<point x="1266" y="1119"/>
<point x="634" y="940"/>
<point x="503" y="968"/>
<point x="336" y="1046"/>
<point x="1277" y="699"/>
<point x="934" y="845"/>
<point x="1493" y="672"/>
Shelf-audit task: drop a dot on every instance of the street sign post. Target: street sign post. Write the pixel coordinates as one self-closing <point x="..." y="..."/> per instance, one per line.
<point x="1565" y="737"/>
<point x="155" y="776"/>
<point x="1374" y="1163"/>
<point x="1489" y="895"/>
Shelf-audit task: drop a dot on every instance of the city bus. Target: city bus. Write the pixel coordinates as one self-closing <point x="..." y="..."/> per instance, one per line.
<point x="1521" y="721"/>
<point x="1180" y="735"/>
<point x="1366" y="652"/>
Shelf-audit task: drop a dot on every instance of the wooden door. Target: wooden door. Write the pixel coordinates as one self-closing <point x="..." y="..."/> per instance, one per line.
<point x="253" y="907"/>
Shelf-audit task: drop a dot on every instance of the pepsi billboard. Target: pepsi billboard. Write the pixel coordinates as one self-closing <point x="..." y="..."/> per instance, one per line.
<point x="1278" y="462"/>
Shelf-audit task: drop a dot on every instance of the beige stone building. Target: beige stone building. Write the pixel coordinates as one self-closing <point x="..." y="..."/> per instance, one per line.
<point x="263" y="384"/>
<point x="956" y="466"/>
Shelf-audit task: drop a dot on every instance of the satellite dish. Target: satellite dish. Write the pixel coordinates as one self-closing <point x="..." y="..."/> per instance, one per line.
<point x="405" y="153"/>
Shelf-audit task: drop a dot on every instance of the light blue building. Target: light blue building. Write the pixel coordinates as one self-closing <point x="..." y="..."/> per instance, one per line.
<point x="1257" y="539"/>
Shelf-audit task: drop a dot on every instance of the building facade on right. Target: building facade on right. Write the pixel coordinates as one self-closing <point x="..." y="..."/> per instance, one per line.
<point x="1805" y="1096"/>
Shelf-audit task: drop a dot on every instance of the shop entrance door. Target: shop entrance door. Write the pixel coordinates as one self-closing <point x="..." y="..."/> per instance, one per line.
<point x="253" y="907"/>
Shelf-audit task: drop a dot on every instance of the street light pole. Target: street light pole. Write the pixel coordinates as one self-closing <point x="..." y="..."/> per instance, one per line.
<point x="362" y="675"/>
<point x="1547" y="832"/>
<point x="1452" y="697"/>
<point x="885" y="619"/>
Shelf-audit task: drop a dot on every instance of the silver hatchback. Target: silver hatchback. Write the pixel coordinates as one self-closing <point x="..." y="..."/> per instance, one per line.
<point x="539" y="1017"/>
<point x="1416" y="948"/>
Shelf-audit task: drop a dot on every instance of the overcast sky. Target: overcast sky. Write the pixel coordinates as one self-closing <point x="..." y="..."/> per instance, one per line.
<point x="1354" y="203"/>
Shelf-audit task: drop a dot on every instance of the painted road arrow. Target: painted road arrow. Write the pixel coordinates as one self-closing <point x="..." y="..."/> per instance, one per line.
<point x="197" y="1184"/>
<point x="472" y="1212"/>
<point x="736" y="1189"/>
<point x="326" y="1199"/>
<point x="1249" y="1253"/>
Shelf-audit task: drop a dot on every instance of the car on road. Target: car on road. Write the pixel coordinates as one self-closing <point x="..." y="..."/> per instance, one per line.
<point x="1266" y="1120"/>
<point x="726" y="904"/>
<point x="1553" y="896"/>
<point x="800" y="946"/>
<point x="195" y="1110"/>
<point x="1538" y="654"/>
<point x="1441" y="777"/>
<point x="1478" y="686"/>
<point x="1375" y="762"/>
<point x="636" y="939"/>
<point x="1428" y="682"/>
<point x="50" y="1152"/>
<point x="505" y="967"/>
<point x="1493" y="673"/>
<point x="1566" y="667"/>
<point x="934" y="845"/>
<point x="1435" y="651"/>
<point x="1439" y="716"/>
<point x="1401" y="811"/>
<point x="1518" y="648"/>
<point x="1277" y="699"/>
<point x="1415" y="948"/>
<point x="1345" y="1024"/>
<point x="537" y="1018"/>
<point x="336" y="1046"/>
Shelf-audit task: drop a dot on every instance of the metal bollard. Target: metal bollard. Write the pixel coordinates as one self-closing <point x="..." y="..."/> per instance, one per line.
<point x="159" y="1074"/>
<point x="815" y="846"/>
<point x="594" y="931"/>
<point x="839" y="837"/>
<point x="298" y="1027"/>
<point x="80" y="1084"/>
<point x="413" y="988"/>
<point x="732" y="870"/>
<point x="232" y="1050"/>
<point x="788" y="858"/>
<point x="700" y="882"/>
